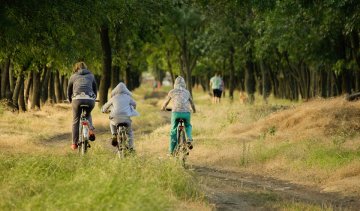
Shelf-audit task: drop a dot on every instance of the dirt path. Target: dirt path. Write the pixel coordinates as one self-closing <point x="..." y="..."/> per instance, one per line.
<point x="240" y="191"/>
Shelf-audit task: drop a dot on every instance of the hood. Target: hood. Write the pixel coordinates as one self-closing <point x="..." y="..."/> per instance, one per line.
<point x="120" y="89"/>
<point x="179" y="83"/>
<point x="83" y="72"/>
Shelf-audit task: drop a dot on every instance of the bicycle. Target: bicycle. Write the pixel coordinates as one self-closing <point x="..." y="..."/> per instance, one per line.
<point x="122" y="140"/>
<point x="83" y="143"/>
<point x="181" y="150"/>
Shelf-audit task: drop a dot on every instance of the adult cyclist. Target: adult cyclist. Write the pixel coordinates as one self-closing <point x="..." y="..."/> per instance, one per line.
<point x="81" y="90"/>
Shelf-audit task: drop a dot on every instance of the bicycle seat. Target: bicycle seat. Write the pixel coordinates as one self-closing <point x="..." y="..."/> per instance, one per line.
<point x="180" y="120"/>
<point x="122" y="124"/>
<point x="84" y="106"/>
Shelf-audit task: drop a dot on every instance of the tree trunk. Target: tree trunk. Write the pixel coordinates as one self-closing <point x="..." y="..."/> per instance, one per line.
<point x="36" y="88"/>
<point x="21" y="101"/>
<point x="266" y="84"/>
<point x="65" y="83"/>
<point x="232" y="73"/>
<point x="12" y="79"/>
<point x="170" y="69"/>
<point x="19" y="86"/>
<point x="51" y="89"/>
<point x="44" y="84"/>
<point x="5" y="78"/>
<point x="28" y="86"/>
<point x="57" y="87"/>
<point x="106" y="71"/>
<point x="323" y="81"/>
<point x="115" y="76"/>
<point x="250" y="78"/>
<point x="16" y="93"/>
<point x="127" y="77"/>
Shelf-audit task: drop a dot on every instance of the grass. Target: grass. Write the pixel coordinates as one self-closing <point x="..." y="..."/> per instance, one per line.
<point x="43" y="174"/>
<point x="39" y="171"/>
<point x="99" y="182"/>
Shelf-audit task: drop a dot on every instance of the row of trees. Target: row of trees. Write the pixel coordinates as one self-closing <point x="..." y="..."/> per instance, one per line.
<point x="291" y="49"/>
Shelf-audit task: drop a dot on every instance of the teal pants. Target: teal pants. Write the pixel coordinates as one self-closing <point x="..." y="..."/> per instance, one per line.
<point x="173" y="131"/>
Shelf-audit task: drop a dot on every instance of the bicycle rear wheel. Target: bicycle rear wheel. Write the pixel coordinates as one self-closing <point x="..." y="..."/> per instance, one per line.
<point x="83" y="140"/>
<point x="181" y="150"/>
<point x="121" y="146"/>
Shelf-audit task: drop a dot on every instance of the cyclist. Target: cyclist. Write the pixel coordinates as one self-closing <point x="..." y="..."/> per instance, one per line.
<point x="182" y="102"/>
<point x="122" y="107"/>
<point x="81" y="90"/>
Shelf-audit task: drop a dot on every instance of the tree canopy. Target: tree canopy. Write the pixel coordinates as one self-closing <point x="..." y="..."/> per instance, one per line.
<point x="292" y="49"/>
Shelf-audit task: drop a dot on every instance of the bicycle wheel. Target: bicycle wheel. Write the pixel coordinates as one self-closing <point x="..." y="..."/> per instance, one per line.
<point x="120" y="146"/>
<point x="83" y="144"/>
<point x="181" y="149"/>
<point x="80" y="141"/>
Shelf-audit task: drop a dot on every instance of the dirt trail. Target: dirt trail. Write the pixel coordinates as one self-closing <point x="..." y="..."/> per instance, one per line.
<point x="240" y="191"/>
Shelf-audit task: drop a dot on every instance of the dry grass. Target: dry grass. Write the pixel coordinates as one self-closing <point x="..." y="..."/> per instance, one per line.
<point x="315" y="143"/>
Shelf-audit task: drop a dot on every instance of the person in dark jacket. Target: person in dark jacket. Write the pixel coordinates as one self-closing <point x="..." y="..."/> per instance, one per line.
<point x="81" y="90"/>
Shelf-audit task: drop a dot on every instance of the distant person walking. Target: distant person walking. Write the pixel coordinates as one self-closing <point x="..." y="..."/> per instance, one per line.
<point x="216" y="84"/>
<point x="81" y="90"/>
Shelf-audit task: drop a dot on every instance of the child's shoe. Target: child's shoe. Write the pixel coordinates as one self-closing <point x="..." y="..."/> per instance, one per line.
<point x="91" y="135"/>
<point x="74" y="146"/>
<point x="114" y="141"/>
<point x="189" y="144"/>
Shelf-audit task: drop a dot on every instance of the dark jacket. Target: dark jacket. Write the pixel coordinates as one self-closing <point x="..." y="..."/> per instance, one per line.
<point x="82" y="81"/>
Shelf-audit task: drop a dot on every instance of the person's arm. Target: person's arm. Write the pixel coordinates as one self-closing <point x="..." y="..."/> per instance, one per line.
<point x="167" y="100"/>
<point x="106" y="106"/>
<point x="70" y="89"/>
<point x="133" y="103"/>
<point x="192" y="105"/>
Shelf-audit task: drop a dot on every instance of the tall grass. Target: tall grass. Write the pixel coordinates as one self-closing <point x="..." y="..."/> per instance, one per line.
<point x="99" y="182"/>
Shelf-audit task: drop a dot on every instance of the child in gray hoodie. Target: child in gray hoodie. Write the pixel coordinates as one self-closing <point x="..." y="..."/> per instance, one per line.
<point x="121" y="107"/>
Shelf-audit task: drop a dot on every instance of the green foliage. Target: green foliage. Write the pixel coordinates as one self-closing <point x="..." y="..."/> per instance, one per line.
<point x="97" y="182"/>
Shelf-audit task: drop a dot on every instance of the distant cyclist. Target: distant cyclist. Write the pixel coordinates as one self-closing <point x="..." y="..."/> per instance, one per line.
<point x="182" y="102"/>
<point x="216" y="84"/>
<point x="81" y="90"/>
<point x="121" y="107"/>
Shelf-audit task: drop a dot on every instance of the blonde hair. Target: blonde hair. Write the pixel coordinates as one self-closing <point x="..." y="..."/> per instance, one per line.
<point x="79" y="66"/>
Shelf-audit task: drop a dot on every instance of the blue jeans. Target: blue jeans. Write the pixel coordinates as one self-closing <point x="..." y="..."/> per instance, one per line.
<point x="173" y="131"/>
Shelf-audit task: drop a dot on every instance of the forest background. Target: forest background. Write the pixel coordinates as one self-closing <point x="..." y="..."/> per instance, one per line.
<point x="291" y="49"/>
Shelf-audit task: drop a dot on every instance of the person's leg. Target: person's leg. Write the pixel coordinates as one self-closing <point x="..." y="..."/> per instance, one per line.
<point x="214" y="96"/>
<point x="130" y="135"/>
<point x="188" y="127"/>
<point x="76" y="119"/>
<point x="113" y="129"/>
<point x="113" y="133"/>
<point x="173" y="131"/>
<point x="91" y="104"/>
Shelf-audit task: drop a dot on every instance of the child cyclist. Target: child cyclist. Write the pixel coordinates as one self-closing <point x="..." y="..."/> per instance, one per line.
<point x="182" y="102"/>
<point x="121" y="107"/>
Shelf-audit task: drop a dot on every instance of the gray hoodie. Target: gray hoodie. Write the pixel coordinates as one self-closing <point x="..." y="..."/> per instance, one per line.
<point x="181" y="97"/>
<point x="82" y="81"/>
<point x="121" y="103"/>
